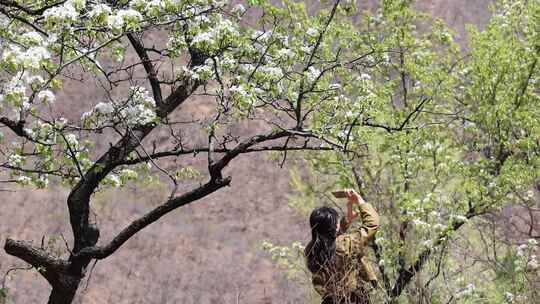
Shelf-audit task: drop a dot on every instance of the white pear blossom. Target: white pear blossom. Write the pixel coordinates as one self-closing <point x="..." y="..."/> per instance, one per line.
<point x="508" y="297"/>
<point x="428" y="243"/>
<point x="115" y="22"/>
<point x="155" y="5"/>
<point x="32" y="37"/>
<point x="72" y="140"/>
<point x="439" y="226"/>
<point x="113" y="180"/>
<point x="139" y="115"/>
<point x="526" y="259"/>
<point x="419" y="223"/>
<point x="60" y="123"/>
<point x="77" y="4"/>
<point x="365" y="77"/>
<point x="261" y="36"/>
<point x="15" y="90"/>
<point x="29" y="132"/>
<point x="459" y="218"/>
<point x="521" y="250"/>
<point x="176" y="42"/>
<point x="100" y="10"/>
<point x="532" y="264"/>
<point x="64" y="13"/>
<point x="139" y="4"/>
<point x="227" y="62"/>
<point x="285" y="53"/>
<point x="313" y="32"/>
<point x="46" y="96"/>
<point x="104" y="108"/>
<point x="306" y="49"/>
<point x="186" y="72"/>
<point x="428" y="146"/>
<point x="34" y="79"/>
<point x="15" y="160"/>
<point x="203" y="37"/>
<point x="24" y="180"/>
<point x="313" y="73"/>
<point x="140" y="95"/>
<point x="51" y="39"/>
<point x="127" y="174"/>
<point x="283" y="38"/>
<point x="239" y="89"/>
<point x="129" y="18"/>
<point x="34" y="56"/>
<point x="30" y="58"/>
<point x="130" y="15"/>
<point x="271" y="72"/>
<point x="11" y="54"/>
<point x="139" y="109"/>
<point x="42" y="181"/>
<point x="204" y="71"/>
<point x="238" y="9"/>
<point x="86" y="115"/>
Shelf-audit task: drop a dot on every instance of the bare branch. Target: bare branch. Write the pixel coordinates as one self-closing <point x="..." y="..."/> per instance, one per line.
<point x="195" y="151"/>
<point x="33" y="255"/>
<point x="151" y="217"/>
<point x="148" y="66"/>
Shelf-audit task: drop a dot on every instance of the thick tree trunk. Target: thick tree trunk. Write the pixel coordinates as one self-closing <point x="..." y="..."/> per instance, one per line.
<point x="64" y="288"/>
<point x="63" y="276"/>
<point x="62" y="295"/>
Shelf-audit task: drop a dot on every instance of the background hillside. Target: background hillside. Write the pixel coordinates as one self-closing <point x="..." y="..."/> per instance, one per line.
<point x="206" y="252"/>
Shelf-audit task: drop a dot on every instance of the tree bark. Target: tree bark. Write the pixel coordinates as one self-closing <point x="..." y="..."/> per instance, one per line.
<point x="63" y="276"/>
<point x="64" y="294"/>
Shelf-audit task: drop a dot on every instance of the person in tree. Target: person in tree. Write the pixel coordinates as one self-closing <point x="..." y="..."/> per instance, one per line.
<point x="337" y="257"/>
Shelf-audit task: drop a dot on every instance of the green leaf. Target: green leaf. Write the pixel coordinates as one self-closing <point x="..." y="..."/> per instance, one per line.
<point x="255" y="2"/>
<point x="3" y="295"/>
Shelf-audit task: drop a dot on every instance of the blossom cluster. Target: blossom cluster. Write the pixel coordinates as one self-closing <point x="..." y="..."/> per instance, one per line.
<point x="24" y="59"/>
<point x="526" y="256"/>
<point x="511" y="298"/>
<point x="64" y="14"/>
<point x="128" y="19"/>
<point x="212" y="33"/>
<point x="121" y="178"/>
<point x="138" y="109"/>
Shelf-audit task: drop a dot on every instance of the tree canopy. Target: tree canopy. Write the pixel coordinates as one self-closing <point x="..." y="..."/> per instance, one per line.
<point x="452" y="138"/>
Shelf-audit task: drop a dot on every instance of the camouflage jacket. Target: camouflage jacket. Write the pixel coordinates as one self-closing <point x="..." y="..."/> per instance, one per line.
<point x="352" y="266"/>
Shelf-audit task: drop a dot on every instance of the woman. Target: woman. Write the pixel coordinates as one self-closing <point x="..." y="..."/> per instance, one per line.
<point x="337" y="259"/>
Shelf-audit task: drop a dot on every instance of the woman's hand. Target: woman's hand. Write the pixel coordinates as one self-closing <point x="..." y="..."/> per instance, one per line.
<point x="353" y="197"/>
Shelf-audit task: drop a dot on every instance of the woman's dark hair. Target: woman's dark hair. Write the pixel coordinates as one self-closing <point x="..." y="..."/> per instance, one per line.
<point x="321" y="250"/>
